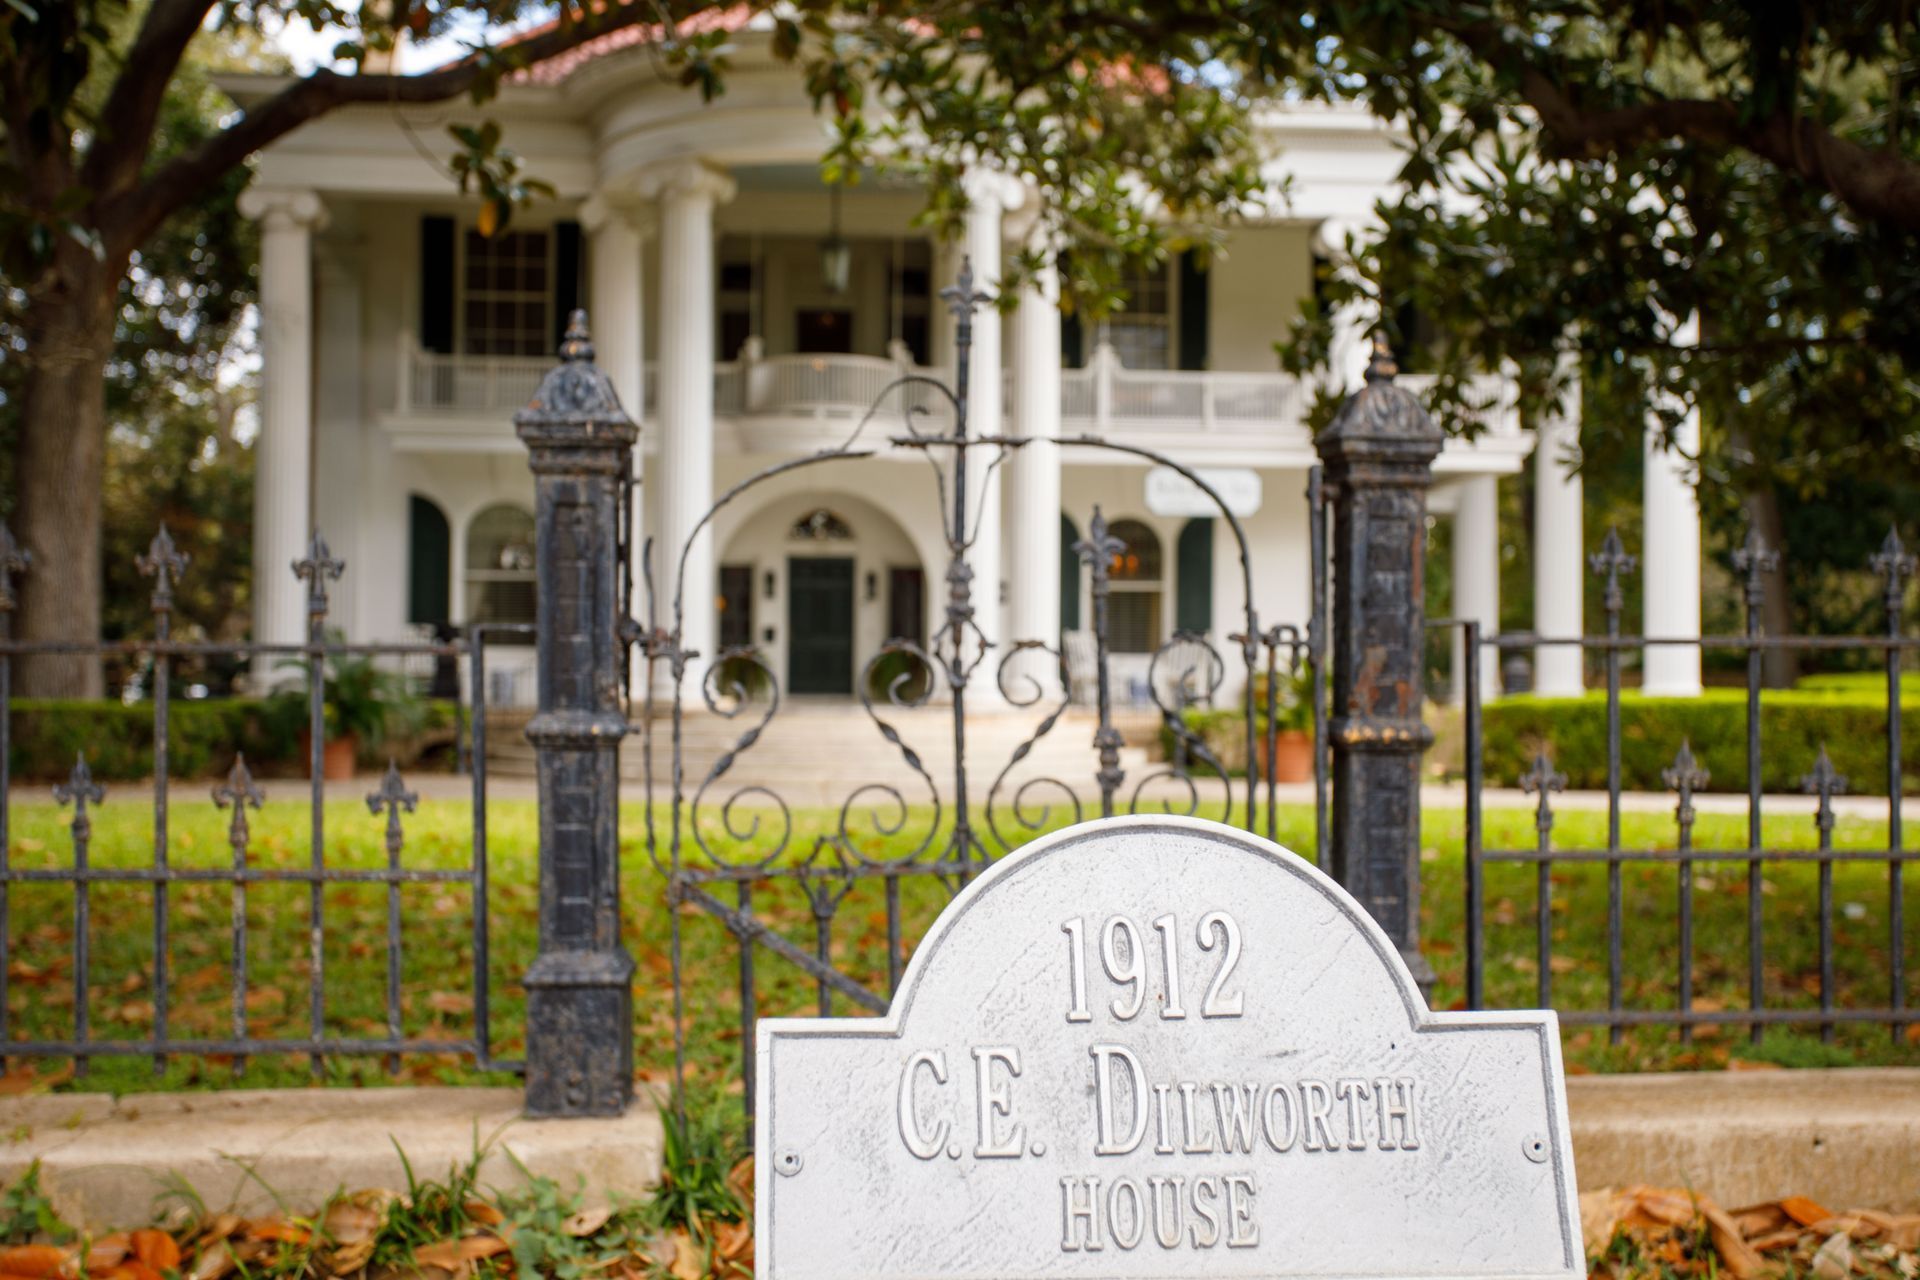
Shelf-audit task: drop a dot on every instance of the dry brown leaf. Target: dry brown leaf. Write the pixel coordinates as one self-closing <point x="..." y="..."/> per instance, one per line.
<point x="483" y="1213"/>
<point x="221" y="1226"/>
<point x="1760" y="1219"/>
<point x="454" y="1002"/>
<point x="688" y="1264"/>
<point x="740" y="1181"/>
<point x="1804" y="1211"/>
<point x="1903" y="1231"/>
<point x="734" y="1242"/>
<point x="450" y="1254"/>
<point x="214" y="1262"/>
<point x="1834" y="1259"/>
<point x="278" y="1230"/>
<point x="351" y="1258"/>
<point x="156" y="1249"/>
<point x="1739" y="1257"/>
<point x="132" y="1269"/>
<point x="1785" y="1238"/>
<point x="586" y="1222"/>
<point x="40" y="1260"/>
<point x="1599" y="1217"/>
<point x="1657" y="1207"/>
<point x="1839" y="1224"/>
<point x="348" y="1222"/>
<point x="108" y="1251"/>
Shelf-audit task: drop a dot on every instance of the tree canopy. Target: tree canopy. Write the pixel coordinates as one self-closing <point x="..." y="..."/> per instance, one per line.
<point x="1580" y="176"/>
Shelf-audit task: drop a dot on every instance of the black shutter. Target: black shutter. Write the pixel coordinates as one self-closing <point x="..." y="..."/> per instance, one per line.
<point x="1193" y="577"/>
<point x="566" y="276"/>
<point x="1193" y="312"/>
<point x="436" y="285"/>
<point x="1072" y="354"/>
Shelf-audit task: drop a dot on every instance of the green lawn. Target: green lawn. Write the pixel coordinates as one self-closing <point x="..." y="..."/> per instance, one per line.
<point x="437" y="978"/>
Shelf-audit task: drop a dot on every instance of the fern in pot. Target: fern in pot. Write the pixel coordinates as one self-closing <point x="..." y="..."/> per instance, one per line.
<point x="363" y="707"/>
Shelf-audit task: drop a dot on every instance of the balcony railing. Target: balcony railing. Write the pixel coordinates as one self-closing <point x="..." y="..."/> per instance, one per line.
<point x="1103" y="397"/>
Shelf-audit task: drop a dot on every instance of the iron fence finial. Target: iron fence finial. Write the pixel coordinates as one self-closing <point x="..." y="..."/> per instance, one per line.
<point x="1895" y="565"/>
<point x="577" y="343"/>
<point x="1610" y="561"/>
<point x="164" y="563"/>
<point x="1382" y="367"/>
<point x="1755" y="559"/>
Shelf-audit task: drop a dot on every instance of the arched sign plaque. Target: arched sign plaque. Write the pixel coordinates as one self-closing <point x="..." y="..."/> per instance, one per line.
<point x="1157" y="1048"/>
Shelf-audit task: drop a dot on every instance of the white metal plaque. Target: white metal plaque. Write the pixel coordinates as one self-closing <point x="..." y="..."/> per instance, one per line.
<point x="1171" y="494"/>
<point x="1161" y="1047"/>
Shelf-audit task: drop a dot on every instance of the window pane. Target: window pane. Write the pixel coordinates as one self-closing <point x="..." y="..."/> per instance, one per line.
<point x="1133" y="621"/>
<point x="1139" y="560"/>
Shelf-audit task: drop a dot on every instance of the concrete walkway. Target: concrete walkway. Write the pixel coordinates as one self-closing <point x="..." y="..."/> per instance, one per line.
<point x="1847" y="1138"/>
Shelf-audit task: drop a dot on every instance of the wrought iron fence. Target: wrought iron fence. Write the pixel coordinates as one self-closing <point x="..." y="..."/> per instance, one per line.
<point x="241" y="797"/>
<point x="1685" y="777"/>
<point x="739" y="855"/>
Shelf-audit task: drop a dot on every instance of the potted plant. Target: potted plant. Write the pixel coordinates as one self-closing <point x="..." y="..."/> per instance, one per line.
<point x="1285" y="748"/>
<point x="362" y="707"/>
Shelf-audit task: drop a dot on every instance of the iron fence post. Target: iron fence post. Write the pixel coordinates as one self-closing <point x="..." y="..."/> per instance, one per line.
<point x="580" y="988"/>
<point x="1378" y="454"/>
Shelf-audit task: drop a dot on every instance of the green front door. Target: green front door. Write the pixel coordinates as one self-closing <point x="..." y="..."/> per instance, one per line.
<point x="819" y="625"/>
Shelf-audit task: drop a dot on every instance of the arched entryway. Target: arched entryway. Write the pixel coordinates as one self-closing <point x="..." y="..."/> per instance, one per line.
<point x="817" y="582"/>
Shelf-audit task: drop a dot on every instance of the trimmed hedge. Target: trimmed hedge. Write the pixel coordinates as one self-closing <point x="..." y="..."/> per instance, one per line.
<point x="1794" y="723"/>
<point x="203" y="736"/>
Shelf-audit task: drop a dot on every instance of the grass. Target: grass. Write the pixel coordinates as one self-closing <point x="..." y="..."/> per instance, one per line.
<point x="437" y="973"/>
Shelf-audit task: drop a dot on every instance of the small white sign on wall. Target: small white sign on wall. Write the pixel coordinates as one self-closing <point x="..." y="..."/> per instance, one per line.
<point x="1153" y="1049"/>
<point x="1171" y="494"/>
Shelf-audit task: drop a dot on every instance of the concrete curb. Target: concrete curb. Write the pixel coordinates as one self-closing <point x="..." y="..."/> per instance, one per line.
<point x="1847" y="1138"/>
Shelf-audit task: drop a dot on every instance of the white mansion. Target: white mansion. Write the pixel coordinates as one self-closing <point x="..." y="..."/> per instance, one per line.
<point x="746" y="315"/>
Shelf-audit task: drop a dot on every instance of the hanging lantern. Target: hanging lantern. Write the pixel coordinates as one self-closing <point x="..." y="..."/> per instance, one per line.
<point x="836" y="255"/>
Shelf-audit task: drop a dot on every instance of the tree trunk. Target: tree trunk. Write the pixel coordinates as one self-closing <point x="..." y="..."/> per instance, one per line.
<point x="1779" y="668"/>
<point x="59" y="477"/>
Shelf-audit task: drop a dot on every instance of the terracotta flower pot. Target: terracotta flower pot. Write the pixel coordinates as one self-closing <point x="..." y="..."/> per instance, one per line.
<point x="1292" y="759"/>
<point x="336" y="758"/>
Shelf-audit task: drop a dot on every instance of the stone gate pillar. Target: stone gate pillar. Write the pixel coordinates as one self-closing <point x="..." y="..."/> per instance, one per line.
<point x="1378" y="454"/>
<point x="580" y="988"/>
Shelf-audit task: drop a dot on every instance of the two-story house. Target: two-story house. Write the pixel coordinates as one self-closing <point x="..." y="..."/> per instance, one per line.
<point x="747" y="315"/>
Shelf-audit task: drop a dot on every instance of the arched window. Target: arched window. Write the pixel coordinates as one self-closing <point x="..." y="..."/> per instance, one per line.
<point x="820" y="525"/>
<point x="500" y="565"/>
<point x="1135" y="572"/>
<point x="429" y="563"/>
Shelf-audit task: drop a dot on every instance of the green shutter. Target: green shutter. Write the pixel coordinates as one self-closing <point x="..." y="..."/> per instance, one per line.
<point x="1193" y="577"/>
<point x="1193" y="312"/>
<point x="429" y="562"/>
<point x="1069" y="576"/>
<point x="436" y="285"/>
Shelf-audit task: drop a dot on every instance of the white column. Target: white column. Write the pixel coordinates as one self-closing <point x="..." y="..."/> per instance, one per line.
<point x="1559" y="560"/>
<point x="617" y="225"/>
<point x="989" y="195"/>
<point x="1476" y="578"/>
<point x="1352" y="346"/>
<point x="683" y="485"/>
<point x="283" y="454"/>
<point x="1670" y="551"/>
<point x="1033" y="479"/>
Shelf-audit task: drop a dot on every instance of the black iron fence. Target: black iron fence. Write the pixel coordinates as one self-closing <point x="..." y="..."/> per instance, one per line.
<point x="248" y="871"/>
<point x="1672" y="1002"/>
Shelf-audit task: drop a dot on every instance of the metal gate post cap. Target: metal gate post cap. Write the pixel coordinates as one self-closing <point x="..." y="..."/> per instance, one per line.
<point x="575" y="402"/>
<point x="574" y="968"/>
<point x="1382" y="417"/>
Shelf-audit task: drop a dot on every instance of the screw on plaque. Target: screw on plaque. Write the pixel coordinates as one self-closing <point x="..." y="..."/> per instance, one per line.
<point x="786" y="1162"/>
<point x="1534" y="1147"/>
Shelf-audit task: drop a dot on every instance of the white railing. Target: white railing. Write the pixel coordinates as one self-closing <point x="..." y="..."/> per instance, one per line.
<point x="1100" y="398"/>
<point x="432" y="383"/>
<point x="1104" y="396"/>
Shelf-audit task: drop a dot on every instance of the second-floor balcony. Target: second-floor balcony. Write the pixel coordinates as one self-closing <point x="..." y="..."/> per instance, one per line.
<point x="805" y="402"/>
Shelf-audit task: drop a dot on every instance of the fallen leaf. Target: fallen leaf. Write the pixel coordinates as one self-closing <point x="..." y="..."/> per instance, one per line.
<point x="156" y="1249"/>
<point x="214" y="1262"/>
<point x="279" y="1230"/>
<point x="348" y="1222"/>
<point x="1740" y="1258"/>
<point x="1744" y="1064"/>
<point x="42" y="1260"/>
<point x="109" y="1251"/>
<point x="133" y="1269"/>
<point x="483" y="1213"/>
<point x="586" y="1222"/>
<point x="1785" y="1238"/>
<point x="734" y="1241"/>
<point x="1804" y="1211"/>
<point x="1834" y="1259"/>
<point x="687" y="1262"/>
<point x="740" y="1181"/>
<point x="451" y="1254"/>
<point x="450" y="1002"/>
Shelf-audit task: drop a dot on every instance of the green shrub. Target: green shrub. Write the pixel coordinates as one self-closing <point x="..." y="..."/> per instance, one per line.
<point x="203" y="736"/>
<point x="1794" y="724"/>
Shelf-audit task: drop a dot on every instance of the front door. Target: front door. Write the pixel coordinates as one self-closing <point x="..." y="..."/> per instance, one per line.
<point x="819" y="625"/>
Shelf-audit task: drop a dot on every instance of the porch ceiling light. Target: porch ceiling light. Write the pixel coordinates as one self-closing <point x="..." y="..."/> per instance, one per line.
<point x="836" y="255"/>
